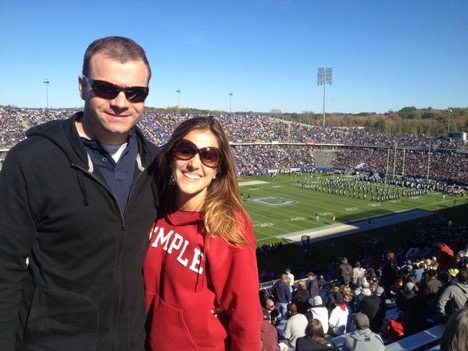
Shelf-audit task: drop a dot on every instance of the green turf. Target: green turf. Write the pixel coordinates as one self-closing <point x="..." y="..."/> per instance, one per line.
<point x="279" y="207"/>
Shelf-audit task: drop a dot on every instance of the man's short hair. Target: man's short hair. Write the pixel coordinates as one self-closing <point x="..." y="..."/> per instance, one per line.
<point x="463" y="275"/>
<point x="361" y="320"/>
<point x="292" y="308"/>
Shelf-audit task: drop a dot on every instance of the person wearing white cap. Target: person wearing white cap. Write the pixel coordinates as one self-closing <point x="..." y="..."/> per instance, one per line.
<point x="318" y="311"/>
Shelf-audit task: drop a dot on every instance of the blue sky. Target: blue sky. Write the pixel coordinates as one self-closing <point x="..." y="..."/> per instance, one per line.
<point x="384" y="54"/>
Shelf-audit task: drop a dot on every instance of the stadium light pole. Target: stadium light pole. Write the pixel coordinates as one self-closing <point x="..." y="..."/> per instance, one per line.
<point x="230" y="103"/>
<point x="178" y="99"/>
<point x="394" y="158"/>
<point x="429" y="158"/>
<point x="46" y="82"/>
<point x="324" y="77"/>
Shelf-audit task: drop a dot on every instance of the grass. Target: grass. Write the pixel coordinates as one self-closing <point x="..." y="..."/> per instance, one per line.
<point x="279" y="207"/>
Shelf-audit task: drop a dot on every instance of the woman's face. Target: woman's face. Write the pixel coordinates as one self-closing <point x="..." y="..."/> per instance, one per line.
<point x="192" y="176"/>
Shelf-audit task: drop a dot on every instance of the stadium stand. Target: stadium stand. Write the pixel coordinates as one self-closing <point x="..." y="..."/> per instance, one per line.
<point x="421" y="341"/>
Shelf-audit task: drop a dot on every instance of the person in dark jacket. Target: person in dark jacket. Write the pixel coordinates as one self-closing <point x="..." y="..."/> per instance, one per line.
<point x="389" y="273"/>
<point x="76" y="206"/>
<point x="301" y="297"/>
<point x="312" y="285"/>
<point x="282" y="295"/>
<point x="374" y="308"/>
<point x="315" y="339"/>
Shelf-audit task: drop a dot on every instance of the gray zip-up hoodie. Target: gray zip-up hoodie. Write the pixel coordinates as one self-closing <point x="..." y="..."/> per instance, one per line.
<point x="363" y="340"/>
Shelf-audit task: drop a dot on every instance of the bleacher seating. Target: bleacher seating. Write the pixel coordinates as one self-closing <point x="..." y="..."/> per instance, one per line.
<point x="392" y="313"/>
<point x="424" y="340"/>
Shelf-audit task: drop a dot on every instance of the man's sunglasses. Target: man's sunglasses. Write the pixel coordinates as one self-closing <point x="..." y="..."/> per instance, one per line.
<point x="185" y="150"/>
<point x="109" y="91"/>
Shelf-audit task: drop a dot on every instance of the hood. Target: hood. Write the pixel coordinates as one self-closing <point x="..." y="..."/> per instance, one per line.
<point x="319" y="311"/>
<point x="361" y="334"/>
<point x="60" y="132"/>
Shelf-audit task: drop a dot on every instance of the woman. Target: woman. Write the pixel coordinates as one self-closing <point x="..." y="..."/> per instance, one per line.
<point x="202" y="249"/>
<point x="315" y="338"/>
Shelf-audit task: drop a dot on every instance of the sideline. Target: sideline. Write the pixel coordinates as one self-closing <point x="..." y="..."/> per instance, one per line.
<point x="338" y="230"/>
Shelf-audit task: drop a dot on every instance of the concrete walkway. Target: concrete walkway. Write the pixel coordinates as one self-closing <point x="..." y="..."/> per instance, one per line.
<point x="338" y="230"/>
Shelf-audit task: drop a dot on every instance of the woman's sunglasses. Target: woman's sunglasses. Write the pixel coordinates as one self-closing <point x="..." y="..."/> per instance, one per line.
<point x="109" y="91"/>
<point x="185" y="150"/>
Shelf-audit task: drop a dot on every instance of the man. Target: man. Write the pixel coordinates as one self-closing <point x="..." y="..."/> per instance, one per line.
<point x="338" y="321"/>
<point x="273" y="312"/>
<point x="455" y="296"/>
<point x="318" y="311"/>
<point x="374" y="308"/>
<point x="430" y="290"/>
<point x="313" y="285"/>
<point x="295" y="326"/>
<point x="282" y="295"/>
<point x="362" y="339"/>
<point x="345" y="273"/>
<point x="77" y="200"/>
<point x="389" y="272"/>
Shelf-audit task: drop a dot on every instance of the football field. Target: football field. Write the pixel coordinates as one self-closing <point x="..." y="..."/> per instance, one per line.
<point x="283" y="211"/>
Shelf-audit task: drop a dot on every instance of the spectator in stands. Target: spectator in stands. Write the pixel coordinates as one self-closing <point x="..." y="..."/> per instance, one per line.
<point x="313" y="285"/>
<point x="338" y="320"/>
<point x="463" y="261"/>
<point x="211" y="247"/>
<point x="318" y="311"/>
<point x="359" y="274"/>
<point x="413" y="305"/>
<point x="301" y="297"/>
<point x="361" y="293"/>
<point x="287" y="271"/>
<point x="453" y="272"/>
<point x="269" y="334"/>
<point x="330" y="300"/>
<point x="455" y="296"/>
<point x="374" y="307"/>
<point x="315" y="338"/>
<point x="446" y="257"/>
<point x="345" y="272"/>
<point x="389" y="273"/>
<point x="273" y="312"/>
<point x="455" y="336"/>
<point x="418" y="271"/>
<point x="72" y="195"/>
<point x="430" y="289"/>
<point x="282" y="295"/>
<point x="295" y="326"/>
<point x="362" y="338"/>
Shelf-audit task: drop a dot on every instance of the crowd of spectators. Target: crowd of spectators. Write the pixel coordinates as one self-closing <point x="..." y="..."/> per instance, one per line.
<point x="424" y="278"/>
<point x="264" y="143"/>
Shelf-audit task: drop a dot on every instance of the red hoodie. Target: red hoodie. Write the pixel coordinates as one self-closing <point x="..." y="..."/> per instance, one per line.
<point x="186" y="278"/>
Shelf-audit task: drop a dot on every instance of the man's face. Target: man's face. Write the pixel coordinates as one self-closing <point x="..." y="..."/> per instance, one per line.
<point x="110" y="120"/>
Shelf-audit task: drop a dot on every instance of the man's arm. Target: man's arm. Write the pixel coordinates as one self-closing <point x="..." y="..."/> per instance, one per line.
<point x="16" y="238"/>
<point x="444" y="298"/>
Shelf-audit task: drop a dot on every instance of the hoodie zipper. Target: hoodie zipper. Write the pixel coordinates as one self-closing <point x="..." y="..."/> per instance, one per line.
<point x="123" y="227"/>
